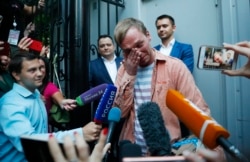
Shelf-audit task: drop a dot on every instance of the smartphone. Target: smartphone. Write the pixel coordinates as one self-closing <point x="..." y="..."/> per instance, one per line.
<point x="155" y="159"/>
<point x="6" y="50"/>
<point x="36" y="149"/>
<point x="36" y="46"/>
<point x="216" y="58"/>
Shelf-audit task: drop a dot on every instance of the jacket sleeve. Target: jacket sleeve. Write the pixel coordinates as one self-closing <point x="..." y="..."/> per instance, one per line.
<point x="188" y="57"/>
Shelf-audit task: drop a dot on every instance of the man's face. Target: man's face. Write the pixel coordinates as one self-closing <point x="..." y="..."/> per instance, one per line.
<point x="4" y="62"/>
<point x="43" y="68"/>
<point x="136" y="40"/>
<point x="31" y="75"/>
<point x="165" y="29"/>
<point x="218" y="57"/>
<point x="229" y="53"/>
<point x="106" y="47"/>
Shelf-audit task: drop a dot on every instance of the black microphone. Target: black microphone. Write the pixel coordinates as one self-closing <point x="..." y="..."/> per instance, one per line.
<point x="129" y="150"/>
<point x="154" y="131"/>
<point x="123" y="142"/>
<point x="120" y="151"/>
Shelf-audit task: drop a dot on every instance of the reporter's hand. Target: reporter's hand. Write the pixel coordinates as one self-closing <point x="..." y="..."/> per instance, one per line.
<point x="79" y="151"/>
<point x="203" y="155"/>
<point x="68" y="104"/>
<point x="241" y="48"/>
<point x="100" y="148"/>
<point x="91" y="131"/>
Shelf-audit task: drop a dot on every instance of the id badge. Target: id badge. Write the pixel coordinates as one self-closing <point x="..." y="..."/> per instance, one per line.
<point x="13" y="36"/>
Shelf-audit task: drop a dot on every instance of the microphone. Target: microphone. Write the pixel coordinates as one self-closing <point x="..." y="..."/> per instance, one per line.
<point x="154" y="131"/>
<point x="203" y="126"/>
<point x="114" y="117"/>
<point x="129" y="150"/>
<point x="91" y="95"/>
<point x="123" y="142"/>
<point x="120" y="146"/>
<point x="105" y="104"/>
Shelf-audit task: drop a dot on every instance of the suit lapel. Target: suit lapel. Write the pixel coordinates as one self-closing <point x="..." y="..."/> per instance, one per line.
<point x="118" y="63"/>
<point x="175" y="50"/>
<point x="103" y="70"/>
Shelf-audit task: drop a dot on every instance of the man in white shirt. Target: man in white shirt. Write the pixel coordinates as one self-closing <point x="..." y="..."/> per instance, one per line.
<point x="166" y="27"/>
<point x="104" y="68"/>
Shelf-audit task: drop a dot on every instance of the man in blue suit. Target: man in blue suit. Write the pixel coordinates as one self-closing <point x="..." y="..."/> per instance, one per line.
<point x="165" y="25"/>
<point x="104" y="68"/>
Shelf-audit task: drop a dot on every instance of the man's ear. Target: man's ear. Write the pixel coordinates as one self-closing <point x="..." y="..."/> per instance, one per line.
<point x="148" y="35"/>
<point x="174" y="27"/>
<point x="16" y="76"/>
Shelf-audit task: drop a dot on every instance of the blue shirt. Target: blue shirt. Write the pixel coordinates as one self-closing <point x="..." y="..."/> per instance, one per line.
<point x="22" y="113"/>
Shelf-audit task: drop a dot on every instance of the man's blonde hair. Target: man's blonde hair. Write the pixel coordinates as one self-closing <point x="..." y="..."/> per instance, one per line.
<point x="124" y="25"/>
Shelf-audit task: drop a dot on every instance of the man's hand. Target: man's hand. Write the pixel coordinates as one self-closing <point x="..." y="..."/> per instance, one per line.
<point x="131" y="61"/>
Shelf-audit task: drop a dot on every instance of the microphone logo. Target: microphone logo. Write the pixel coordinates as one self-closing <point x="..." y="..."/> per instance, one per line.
<point x="91" y="95"/>
<point x="105" y="104"/>
<point x="109" y="104"/>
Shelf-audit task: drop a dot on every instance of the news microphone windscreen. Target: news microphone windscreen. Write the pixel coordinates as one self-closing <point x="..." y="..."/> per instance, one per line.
<point x="105" y="104"/>
<point x="154" y="131"/>
<point x="114" y="115"/>
<point x="91" y="95"/>
<point x="123" y="142"/>
<point x="202" y="125"/>
<point x="129" y="150"/>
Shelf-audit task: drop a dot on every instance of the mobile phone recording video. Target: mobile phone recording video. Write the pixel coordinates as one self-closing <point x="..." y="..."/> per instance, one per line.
<point x="36" y="46"/>
<point x="216" y="58"/>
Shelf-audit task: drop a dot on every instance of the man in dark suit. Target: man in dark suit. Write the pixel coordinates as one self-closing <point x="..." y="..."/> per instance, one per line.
<point x="104" y="68"/>
<point x="165" y="25"/>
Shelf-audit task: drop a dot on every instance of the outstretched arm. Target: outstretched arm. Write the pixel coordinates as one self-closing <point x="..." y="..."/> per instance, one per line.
<point x="78" y="151"/>
<point x="241" y="48"/>
<point x="203" y="155"/>
<point x="29" y="10"/>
